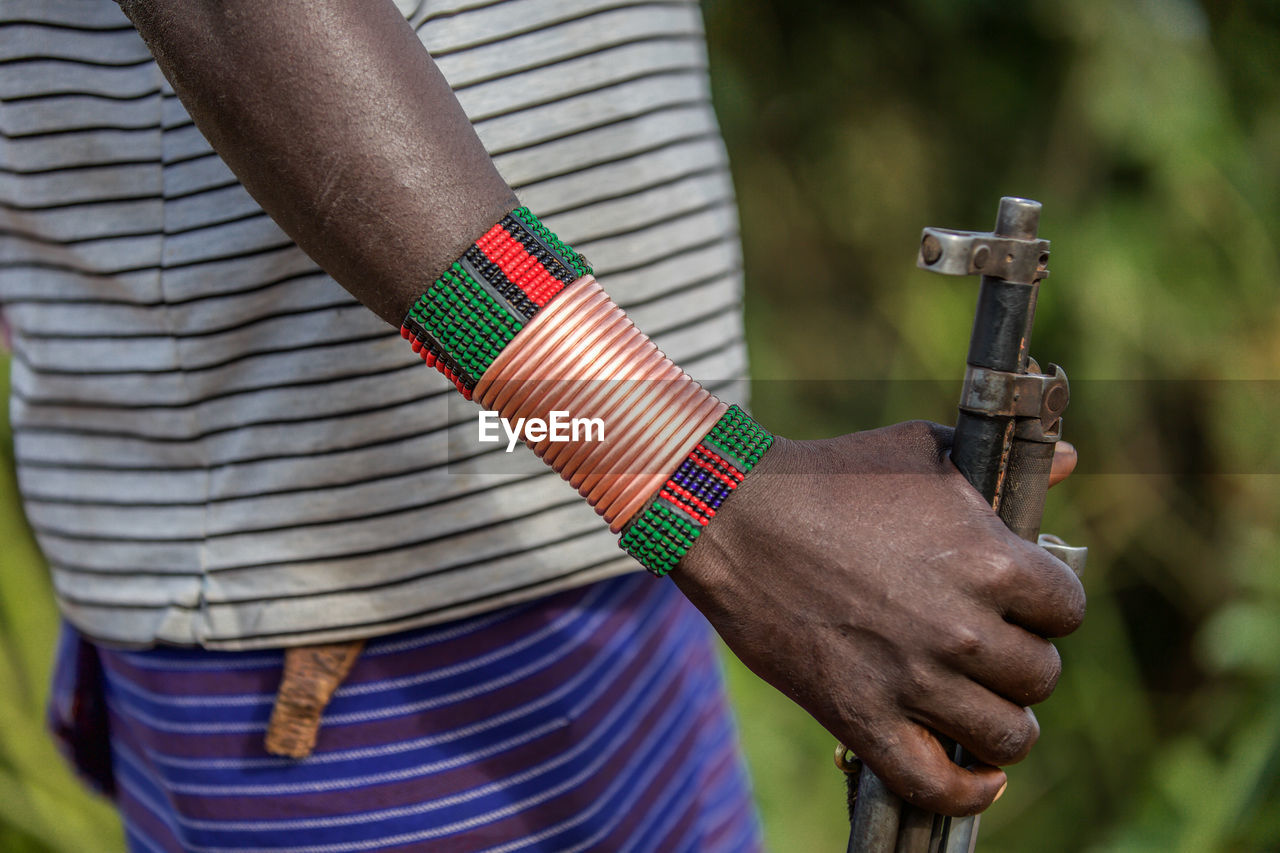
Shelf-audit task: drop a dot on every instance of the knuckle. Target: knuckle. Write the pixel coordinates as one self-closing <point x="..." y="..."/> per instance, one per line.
<point x="1063" y="592"/>
<point x="1013" y="742"/>
<point x="1074" y="610"/>
<point x="920" y="428"/>
<point x="954" y="798"/>
<point x="928" y="792"/>
<point x="927" y="436"/>
<point x="1046" y="680"/>
<point x="970" y="803"/>
<point x="961" y="642"/>
<point x="1004" y="570"/>
<point x="918" y="679"/>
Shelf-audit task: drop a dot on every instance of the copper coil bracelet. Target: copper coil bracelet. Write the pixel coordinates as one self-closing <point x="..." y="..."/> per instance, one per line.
<point x="520" y="324"/>
<point x="653" y="410"/>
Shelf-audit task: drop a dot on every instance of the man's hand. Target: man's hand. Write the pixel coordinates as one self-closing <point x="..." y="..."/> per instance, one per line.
<point x="865" y="578"/>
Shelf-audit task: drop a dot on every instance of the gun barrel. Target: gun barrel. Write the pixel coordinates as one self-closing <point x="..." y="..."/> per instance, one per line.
<point x="999" y="344"/>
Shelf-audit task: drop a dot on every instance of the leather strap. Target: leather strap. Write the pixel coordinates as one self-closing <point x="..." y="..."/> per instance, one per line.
<point x="311" y="675"/>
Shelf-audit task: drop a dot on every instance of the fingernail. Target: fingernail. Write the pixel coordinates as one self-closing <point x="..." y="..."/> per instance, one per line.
<point x="1000" y="793"/>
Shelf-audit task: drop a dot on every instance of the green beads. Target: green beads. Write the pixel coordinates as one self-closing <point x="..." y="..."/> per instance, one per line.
<point x="554" y="243"/>
<point x="741" y="437"/>
<point x="659" y="537"/>
<point x="467" y="321"/>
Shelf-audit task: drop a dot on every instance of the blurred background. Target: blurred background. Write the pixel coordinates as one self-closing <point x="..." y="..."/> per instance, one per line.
<point x="1150" y="130"/>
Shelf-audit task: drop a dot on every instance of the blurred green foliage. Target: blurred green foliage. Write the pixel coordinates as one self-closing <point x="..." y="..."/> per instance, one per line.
<point x="1150" y="130"/>
<point x="42" y="807"/>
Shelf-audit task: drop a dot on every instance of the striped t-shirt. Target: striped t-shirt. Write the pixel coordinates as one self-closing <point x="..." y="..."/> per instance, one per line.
<point x="215" y="443"/>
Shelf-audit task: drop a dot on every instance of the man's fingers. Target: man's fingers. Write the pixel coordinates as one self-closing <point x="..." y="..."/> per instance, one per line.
<point x="993" y="729"/>
<point x="1005" y="659"/>
<point x="1039" y="592"/>
<point x="911" y="762"/>
<point x="1064" y="462"/>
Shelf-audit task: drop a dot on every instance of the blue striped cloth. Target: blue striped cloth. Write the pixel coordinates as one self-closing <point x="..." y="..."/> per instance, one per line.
<point x="591" y="720"/>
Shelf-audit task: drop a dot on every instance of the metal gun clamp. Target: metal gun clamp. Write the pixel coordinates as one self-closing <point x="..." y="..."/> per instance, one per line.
<point x="983" y="253"/>
<point x="1021" y="395"/>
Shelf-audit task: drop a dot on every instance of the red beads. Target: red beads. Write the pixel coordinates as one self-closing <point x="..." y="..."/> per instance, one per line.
<point x="465" y="319"/>
<point x="522" y="268"/>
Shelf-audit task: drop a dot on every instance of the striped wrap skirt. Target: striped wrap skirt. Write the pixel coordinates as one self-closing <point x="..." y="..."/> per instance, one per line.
<point x="591" y="720"/>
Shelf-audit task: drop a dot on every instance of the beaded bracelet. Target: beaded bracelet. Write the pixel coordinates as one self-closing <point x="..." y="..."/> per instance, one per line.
<point x="479" y="304"/>
<point x="463" y="326"/>
<point x="661" y="533"/>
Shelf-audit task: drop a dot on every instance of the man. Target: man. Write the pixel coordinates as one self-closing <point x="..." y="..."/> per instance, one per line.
<point x="220" y="451"/>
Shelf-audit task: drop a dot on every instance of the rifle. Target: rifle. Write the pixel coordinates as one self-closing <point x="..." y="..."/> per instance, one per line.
<point x="1009" y="420"/>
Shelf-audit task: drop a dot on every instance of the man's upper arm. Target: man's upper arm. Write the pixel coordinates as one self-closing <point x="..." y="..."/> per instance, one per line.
<point x="334" y="117"/>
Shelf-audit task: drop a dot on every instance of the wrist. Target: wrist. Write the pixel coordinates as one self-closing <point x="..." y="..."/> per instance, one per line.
<point x="741" y="535"/>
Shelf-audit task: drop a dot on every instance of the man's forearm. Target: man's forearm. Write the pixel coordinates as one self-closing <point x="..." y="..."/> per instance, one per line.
<point x="336" y="120"/>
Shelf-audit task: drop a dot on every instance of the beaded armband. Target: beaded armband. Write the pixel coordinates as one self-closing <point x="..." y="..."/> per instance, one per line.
<point x="488" y="295"/>
<point x="467" y="318"/>
<point x="667" y="527"/>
